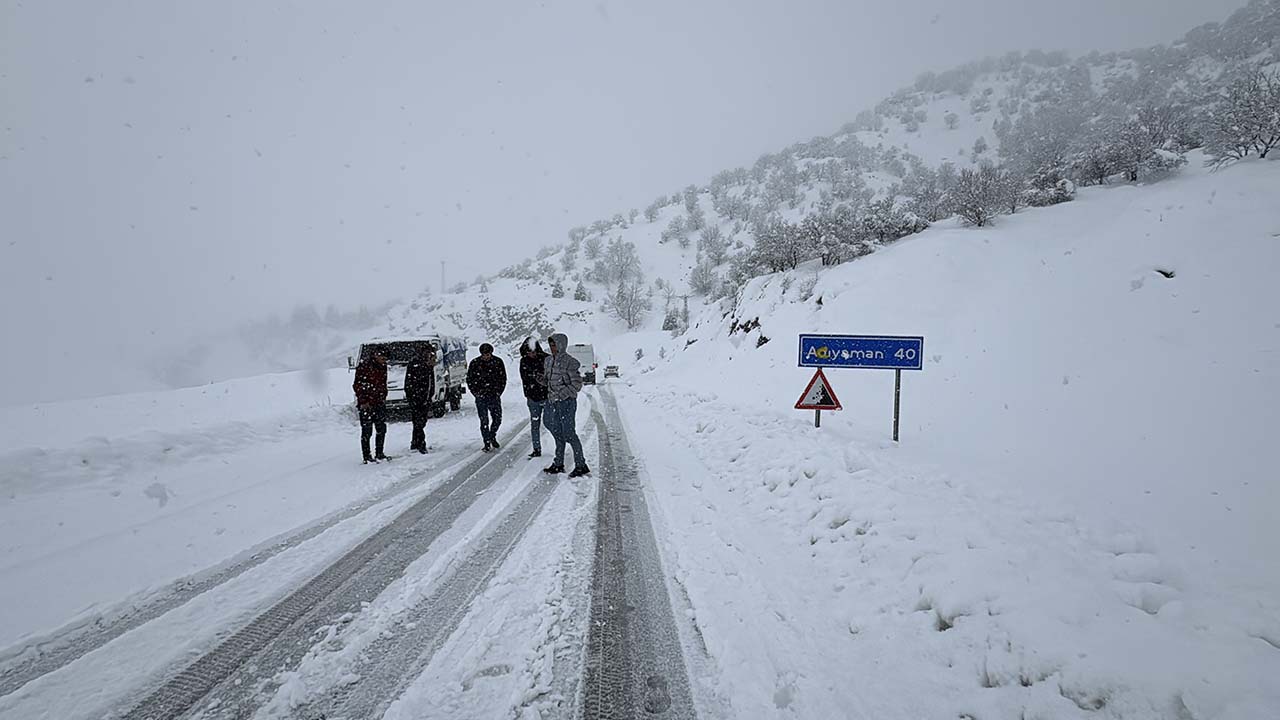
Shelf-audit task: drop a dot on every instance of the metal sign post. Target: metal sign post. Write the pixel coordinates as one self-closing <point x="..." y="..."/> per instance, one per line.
<point x="897" y="400"/>
<point x="871" y="352"/>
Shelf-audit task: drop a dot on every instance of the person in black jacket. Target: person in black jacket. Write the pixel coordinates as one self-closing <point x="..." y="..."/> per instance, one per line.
<point x="487" y="378"/>
<point x="420" y="391"/>
<point x="370" y="387"/>
<point x="534" y="378"/>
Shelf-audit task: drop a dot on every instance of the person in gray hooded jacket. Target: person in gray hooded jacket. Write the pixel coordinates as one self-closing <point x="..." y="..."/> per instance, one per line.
<point x="564" y="382"/>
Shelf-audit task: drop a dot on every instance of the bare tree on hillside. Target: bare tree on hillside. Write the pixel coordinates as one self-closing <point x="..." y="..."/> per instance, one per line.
<point x="630" y="304"/>
<point x="621" y="263"/>
<point x="1247" y="119"/>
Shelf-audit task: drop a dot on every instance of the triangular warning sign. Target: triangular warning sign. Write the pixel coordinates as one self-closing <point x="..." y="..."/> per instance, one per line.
<point x="819" y="395"/>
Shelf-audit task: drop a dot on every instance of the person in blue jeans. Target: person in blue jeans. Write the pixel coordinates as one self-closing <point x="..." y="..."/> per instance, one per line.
<point x="564" y="382"/>
<point x="533" y="375"/>
<point x="487" y="378"/>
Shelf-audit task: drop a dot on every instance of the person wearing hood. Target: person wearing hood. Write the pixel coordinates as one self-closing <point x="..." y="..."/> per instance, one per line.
<point x="564" y="382"/>
<point x="534" y="378"/>
<point x="487" y="378"/>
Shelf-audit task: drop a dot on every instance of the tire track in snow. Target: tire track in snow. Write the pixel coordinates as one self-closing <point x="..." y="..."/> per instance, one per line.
<point x="282" y="634"/>
<point x="404" y="650"/>
<point x="34" y="659"/>
<point x="634" y="666"/>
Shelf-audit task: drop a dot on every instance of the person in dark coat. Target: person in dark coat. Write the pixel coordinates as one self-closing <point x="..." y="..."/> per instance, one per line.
<point x="420" y="392"/>
<point x="534" y="378"/>
<point x="370" y="387"/>
<point x="487" y="378"/>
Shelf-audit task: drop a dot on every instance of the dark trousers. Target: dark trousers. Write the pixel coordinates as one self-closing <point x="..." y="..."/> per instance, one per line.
<point x="561" y="418"/>
<point x="371" y="417"/>
<point x="489" y="408"/>
<point x="419" y="413"/>
<point x="535" y="422"/>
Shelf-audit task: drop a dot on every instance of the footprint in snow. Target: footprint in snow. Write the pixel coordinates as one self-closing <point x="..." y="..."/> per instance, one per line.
<point x="159" y="492"/>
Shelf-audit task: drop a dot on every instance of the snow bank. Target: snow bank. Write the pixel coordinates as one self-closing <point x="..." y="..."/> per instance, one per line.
<point x="1085" y="477"/>
<point x="105" y="499"/>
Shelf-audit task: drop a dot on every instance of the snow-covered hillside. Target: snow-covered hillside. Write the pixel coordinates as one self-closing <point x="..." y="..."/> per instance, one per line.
<point x="1044" y="118"/>
<point x="1085" y="483"/>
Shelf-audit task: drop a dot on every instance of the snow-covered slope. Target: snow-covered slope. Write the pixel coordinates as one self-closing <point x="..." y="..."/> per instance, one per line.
<point x="1080" y="514"/>
<point x="917" y="137"/>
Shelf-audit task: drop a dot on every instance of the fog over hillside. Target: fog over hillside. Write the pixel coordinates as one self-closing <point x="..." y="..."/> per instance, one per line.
<point x="171" y="174"/>
<point x="996" y="136"/>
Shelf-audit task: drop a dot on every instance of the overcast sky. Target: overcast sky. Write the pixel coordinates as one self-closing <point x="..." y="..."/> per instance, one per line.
<point x="167" y="168"/>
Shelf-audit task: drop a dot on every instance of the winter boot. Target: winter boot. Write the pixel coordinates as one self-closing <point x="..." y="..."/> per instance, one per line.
<point x="494" y="443"/>
<point x="579" y="471"/>
<point x="535" y="454"/>
<point x="553" y="469"/>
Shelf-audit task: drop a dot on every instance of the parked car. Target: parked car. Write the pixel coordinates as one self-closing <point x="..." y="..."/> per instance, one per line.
<point x="451" y="369"/>
<point x="611" y="371"/>
<point x="585" y="354"/>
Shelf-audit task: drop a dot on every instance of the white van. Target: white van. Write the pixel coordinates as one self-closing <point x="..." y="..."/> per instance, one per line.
<point x="585" y="354"/>
<point x="451" y="369"/>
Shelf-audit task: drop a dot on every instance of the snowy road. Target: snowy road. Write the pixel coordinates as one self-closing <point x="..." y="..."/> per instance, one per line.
<point x="79" y="640"/>
<point x="468" y="586"/>
<point x="634" y="663"/>
<point x="354" y="579"/>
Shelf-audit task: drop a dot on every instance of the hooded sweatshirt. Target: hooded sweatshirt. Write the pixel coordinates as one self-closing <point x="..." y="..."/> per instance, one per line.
<point x="564" y="375"/>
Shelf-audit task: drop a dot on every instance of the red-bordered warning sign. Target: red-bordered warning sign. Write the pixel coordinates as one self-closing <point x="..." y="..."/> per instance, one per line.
<point x="819" y="395"/>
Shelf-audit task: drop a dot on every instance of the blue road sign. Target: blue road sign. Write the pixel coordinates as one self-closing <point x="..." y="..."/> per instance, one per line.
<point x="881" y="352"/>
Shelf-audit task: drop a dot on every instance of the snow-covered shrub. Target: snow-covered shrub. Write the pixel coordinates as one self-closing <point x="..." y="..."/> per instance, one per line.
<point x="568" y="261"/>
<point x="675" y="230"/>
<point x="978" y="195"/>
<point x="703" y="279"/>
<point x="712" y="245"/>
<point x="652" y="209"/>
<point x="697" y="220"/>
<point x="1048" y="186"/>
<point x="1247" y="118"/>
<point x="671" y="323"/>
